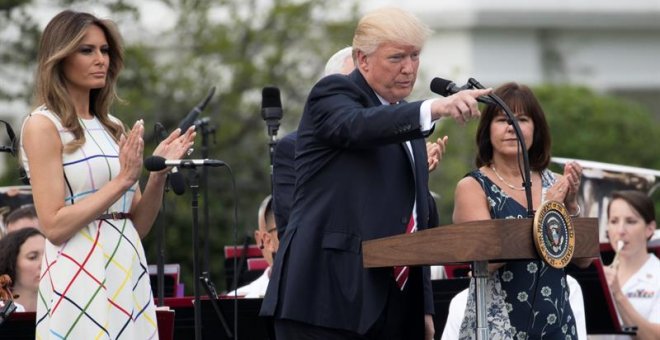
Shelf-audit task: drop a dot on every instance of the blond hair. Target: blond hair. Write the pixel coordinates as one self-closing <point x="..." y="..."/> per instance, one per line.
<point x="60" y="39"/>
<point x="389" y="24"/>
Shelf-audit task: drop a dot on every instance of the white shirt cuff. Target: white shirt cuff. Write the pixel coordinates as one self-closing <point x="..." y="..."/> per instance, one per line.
<point x="425" y="115"/>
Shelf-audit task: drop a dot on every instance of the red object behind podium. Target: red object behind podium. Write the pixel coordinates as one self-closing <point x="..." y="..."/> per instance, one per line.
<point x="165" y="324"/>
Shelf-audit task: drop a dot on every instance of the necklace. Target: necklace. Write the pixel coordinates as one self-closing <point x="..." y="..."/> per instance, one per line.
<point x="492" y="167"/>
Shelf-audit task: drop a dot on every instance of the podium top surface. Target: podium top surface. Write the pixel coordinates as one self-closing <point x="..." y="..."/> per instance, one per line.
<point x="488" y="240"/>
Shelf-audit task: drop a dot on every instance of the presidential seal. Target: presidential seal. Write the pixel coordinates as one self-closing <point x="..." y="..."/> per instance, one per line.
<point x="554" y="235"/>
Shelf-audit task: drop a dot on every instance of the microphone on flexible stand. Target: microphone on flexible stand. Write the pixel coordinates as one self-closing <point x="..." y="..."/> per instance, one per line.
<point x="480" y="274"/>
<point x="202" y="125"/>
<point x="446" y="87"/>
<point x="526" y="170"/>
<point x="157" y="163"/>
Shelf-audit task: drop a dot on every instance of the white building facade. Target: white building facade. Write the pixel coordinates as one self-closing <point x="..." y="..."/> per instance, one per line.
<point x="610" y="46"/>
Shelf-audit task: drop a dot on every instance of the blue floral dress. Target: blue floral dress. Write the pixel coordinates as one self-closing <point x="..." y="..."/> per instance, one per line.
<point x="525" y="299"/>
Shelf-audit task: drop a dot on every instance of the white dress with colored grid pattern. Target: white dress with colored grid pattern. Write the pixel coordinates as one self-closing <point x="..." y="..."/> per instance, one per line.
<point x="96" y="285"/>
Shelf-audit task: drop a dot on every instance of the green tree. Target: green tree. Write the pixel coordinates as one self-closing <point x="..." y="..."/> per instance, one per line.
<point x="597" y="127"/>
<point x="237" y="46"/>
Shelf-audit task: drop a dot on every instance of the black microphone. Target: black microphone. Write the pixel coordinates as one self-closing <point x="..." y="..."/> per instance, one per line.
<point x="271" y="108"/>
<point x="177" y="182"/>
<point x="157" y="163"/>
<point x="12" y="140"/>
<point x="189" y="120"/>
<point x="446" y="88"/>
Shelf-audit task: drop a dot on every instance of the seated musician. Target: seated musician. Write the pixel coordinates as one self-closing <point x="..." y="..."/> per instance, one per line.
<point x="266" y="238"/>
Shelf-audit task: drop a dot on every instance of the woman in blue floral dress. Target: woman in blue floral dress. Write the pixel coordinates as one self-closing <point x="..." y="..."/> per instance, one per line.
<point x="525" y="299"/>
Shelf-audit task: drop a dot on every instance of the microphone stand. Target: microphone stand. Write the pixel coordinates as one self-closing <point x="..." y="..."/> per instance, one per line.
<point x="160" y="247"/>
<point x="480" y="268"/>
<point x="273" y="125"/>
<point x="194" y="186"/>
<point x="526" y="173"/>
<point x="206" y="129"/>
<point x="198" y="279"/>
<point x="160" y="238"/>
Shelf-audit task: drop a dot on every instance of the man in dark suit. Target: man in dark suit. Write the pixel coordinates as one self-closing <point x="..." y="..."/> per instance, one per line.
<point x="284" y="172"/>
<point x="361" y="174"/>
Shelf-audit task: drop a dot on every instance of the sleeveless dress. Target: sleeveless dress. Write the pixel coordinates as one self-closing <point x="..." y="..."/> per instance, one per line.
<point x="524" y="299"/>
<point x="95" y="285"/>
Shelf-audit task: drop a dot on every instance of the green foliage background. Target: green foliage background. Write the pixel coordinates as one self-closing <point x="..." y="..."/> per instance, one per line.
<point x="239" y="50"/>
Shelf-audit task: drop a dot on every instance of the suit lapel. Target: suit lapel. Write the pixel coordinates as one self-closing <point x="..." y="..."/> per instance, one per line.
<point x="357" y="77"/>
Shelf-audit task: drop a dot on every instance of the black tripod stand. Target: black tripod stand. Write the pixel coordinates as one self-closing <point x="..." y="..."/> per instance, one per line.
<point x="199" y="279"/>
<point x="206" y="128"/>
<point x="157" y="163"/>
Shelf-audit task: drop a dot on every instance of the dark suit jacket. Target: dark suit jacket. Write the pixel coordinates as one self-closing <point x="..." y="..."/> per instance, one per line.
<point x="354" y="182"/>
<point x="284" y="179"/>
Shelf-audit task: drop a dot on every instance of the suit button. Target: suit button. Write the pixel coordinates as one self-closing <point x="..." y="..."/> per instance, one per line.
<point x="404" y="220"/>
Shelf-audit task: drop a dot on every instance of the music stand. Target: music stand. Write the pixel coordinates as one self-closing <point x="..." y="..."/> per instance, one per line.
<point x="250" y="324"/>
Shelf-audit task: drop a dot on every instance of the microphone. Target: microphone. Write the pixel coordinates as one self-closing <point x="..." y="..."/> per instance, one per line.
<point x="157" y="163"/>
<point x="446" y="88"/>
<point x="271" y="108"/>
<point x="194" y="113"/>
<point x="12" y="140"/>
<point x="177" y="182"/>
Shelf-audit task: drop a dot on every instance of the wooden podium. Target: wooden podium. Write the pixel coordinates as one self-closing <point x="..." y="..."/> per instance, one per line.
<point x="476" y="242"/>
<point x="489" y="240"/>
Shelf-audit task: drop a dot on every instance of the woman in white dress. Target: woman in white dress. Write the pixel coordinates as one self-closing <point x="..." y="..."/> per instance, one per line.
<point x="84" y="166"/>
<point x="634" y="276"/>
